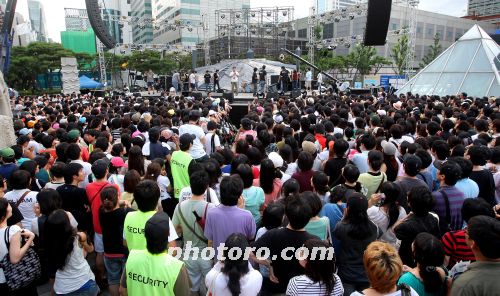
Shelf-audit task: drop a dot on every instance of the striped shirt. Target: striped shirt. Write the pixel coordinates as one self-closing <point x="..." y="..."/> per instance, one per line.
<point x="456" y="199"/>
<point x="303" y="285"/>
<point x="456" y="247"/>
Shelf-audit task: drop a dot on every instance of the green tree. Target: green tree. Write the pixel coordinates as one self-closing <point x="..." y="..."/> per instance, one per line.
<point x="36" y="58"/>
<point x="399" y="53"/>
<point x="434" y="50"/>
<point x="364" y="59"/>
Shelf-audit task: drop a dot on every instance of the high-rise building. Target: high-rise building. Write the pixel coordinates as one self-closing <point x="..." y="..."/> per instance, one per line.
<point x="112" y="14"/>
<point x="76" y="19"/>
<point x="142" y="14"/>
<point x="484" y="10"/>
<point x="189" y="16"/>
<point x="37" y="19"/>
<point x="483" y="7"/>
<point x="323" y="6"/>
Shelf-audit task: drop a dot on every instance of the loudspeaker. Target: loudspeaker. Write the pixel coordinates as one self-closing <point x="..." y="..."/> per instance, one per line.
<point x="238" y="111"/>
<point x="275" y="79"/>
<point x="377" y="22"/>
<point x="168" y="82"/>
<point x="272" y="95"/>
<point x="296" y="94"/>
<point x="197" y="95"/>
<point x="98" y="25"/>
<point x="228" y="96"/>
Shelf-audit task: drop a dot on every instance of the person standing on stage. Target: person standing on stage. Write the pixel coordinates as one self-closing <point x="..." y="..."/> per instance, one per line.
<point x="284" y="78"/>
<point x="262" y="79"/>
<point x="216" y="80"/>
<point x="295" y="80"/>
<point x="234" y="80"/>
<point x="207" y="77"/>
<point x="309" y="78"/>
<point x="176" y="80"/>
<point x="320" y="81"/>
<point x="150" y="80"/>
<point x="255" y="80"/>
<point x="192" y="81"/>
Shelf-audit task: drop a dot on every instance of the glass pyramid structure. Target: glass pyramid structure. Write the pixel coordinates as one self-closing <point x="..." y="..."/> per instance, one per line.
<point x="470" y="65"/>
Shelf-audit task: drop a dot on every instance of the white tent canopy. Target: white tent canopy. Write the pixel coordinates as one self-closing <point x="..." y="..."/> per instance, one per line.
<point x="470" y="65"/>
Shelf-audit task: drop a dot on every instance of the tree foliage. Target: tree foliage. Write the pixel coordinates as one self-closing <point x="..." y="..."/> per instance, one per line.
<point x="365" y="60"/>
<point x="434" y="50"/>
<point x="399" y="53"/>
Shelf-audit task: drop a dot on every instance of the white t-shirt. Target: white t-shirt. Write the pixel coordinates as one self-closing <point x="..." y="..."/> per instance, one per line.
<point x="397" y="293"/>
<point x="378" y="216"/>
<point x="27" y="205"/>
<point x="320" y="78"/>
<point x="118" y="180"/>
<point x="309" y="76"/>
<point x="3" y="248"/>
<point x="234" y="76"/>
<point x="197" y="150"/>
<point x="208" y="143"/>
<point x="186" y="194"/>
<point x="216" y="281"/>
<point x="76" y="272"/>
<point x="163" y="182"/>
<point x="192" y="78"/>
<point x="72" y="221"/>
<point x="303" y="285"/>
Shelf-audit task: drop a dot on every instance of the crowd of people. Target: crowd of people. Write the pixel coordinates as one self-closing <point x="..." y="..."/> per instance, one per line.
<point x="105" y="193"/>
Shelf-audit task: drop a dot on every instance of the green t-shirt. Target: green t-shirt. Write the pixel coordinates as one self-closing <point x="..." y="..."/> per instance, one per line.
<point x="133" y="229"/>
<point x="179" y="164"/>
<point x="254" y="199"/>
<point x="318" y="227"/>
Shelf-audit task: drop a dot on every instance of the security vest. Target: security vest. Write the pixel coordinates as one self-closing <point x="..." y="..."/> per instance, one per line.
<point x="151" y="274"/>
<point x="179" y="164"/>
<point x="133" y="227"/>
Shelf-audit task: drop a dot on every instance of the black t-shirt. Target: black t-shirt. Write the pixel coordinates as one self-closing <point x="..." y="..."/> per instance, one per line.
<point x="407" y="230"/>
<point x="157" y="150"/>
<point x="74" y="200"/>
<point x="254" y="77"/>
<point x="216" y="77"/>
<point x="16" y="217"/>
<point x="37" y="184"/>
<point x="276" y="240"/>
<point x="333" y="169"/>
<point x="284" y="75"/>
<point x="207" y="78"/>
<point x="112" y="230"/>
<point x="486" y="183"/>
<point x="262" y="75"/>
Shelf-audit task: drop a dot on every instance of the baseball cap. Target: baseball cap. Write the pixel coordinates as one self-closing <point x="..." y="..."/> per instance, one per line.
<point x="166" y="134"/>
<point x="276" y="159"/>
<point x="211" y="112"/>
<point x="118" y="162"/>
<point x="309" y="147"/>
<point x="389" y="148"/>
<point x="100" y="166"/>
<point x="278" y="118"/>
<point x="7" y="152"/>
<point x="25" y="131"/>
<point x="185" y="140"/>
<point x="157" y="229"/>
<point x="73" y="134"/>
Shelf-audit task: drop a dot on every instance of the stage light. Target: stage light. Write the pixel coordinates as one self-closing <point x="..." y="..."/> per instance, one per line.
<point x="222" y="16"/>
<point x="269" y="13"/>
<point x="238" y="32"/>
<point x="351" y="16"/>
<point x="337" y="19"/>
<point x="285" y="12"/>
<point x="190" y="29"/>
<point x="238" y="15"/>
<point x="253" y="14"/>
<point x="347" y="45"/>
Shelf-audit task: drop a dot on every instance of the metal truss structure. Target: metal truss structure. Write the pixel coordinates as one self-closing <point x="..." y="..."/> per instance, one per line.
<point x="335" y="16"/>
<point x="240" y="26"/>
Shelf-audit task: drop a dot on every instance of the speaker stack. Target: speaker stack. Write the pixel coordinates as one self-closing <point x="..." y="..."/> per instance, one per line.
<point x="377" y="22"/>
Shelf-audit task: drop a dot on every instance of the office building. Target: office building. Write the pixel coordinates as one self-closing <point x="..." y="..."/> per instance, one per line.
<point x="485" y="11"/>
<point x="76" y="19"/>
<point x="142" y="14"/>
<point x="188" y="17"/>
<point x="37" y="19"/>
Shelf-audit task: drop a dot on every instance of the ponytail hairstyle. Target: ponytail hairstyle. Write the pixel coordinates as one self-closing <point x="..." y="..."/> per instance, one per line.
<point x="267" y="175"/>
<point x="320" y="182"/>
<point x="109" y="198"/>
<point x="153" y="171"/>
<point x="318" y="270"/>
<point x="235" y="268"/>
<point x="429" y="254"/>
<point x="392" y="192"/>
<point x="289" y="188"/>
<point x="59" y="238"/>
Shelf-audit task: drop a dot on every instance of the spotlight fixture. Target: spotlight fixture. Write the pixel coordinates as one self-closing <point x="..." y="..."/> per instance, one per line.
<point x="269" y="13"/>
<point x="347" y="45"/>
<point x="238" y="15"/>
<point x="190" y="29"/>
<point x="351" y="16"/>
<point x="337" y="19"/>
<point x="285" y="12"/>
<point x="254" y="31"/>
<point x="252" y="14"/>
<point x="334" y="46"/>
<point x="268" y="31"/>
<point x="223" y="34"/>
<point x="238" y="33"/>
<point x="222" y="16"/>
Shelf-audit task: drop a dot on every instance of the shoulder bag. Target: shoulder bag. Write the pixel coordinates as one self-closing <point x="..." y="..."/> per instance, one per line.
<point x="189" y="226"/>
<point x="24" y="272"/>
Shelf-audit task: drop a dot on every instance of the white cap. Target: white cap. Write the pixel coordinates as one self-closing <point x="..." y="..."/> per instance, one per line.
<point x="276" y="159"/>
<point x="211" y="112"/>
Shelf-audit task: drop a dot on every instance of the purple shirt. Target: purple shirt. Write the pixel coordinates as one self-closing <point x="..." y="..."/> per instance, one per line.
<point x="222" y="221"/>
<point x="456" y="199"/>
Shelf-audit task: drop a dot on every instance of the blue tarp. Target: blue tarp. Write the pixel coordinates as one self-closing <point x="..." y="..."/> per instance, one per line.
<point x="86" y="82"/>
